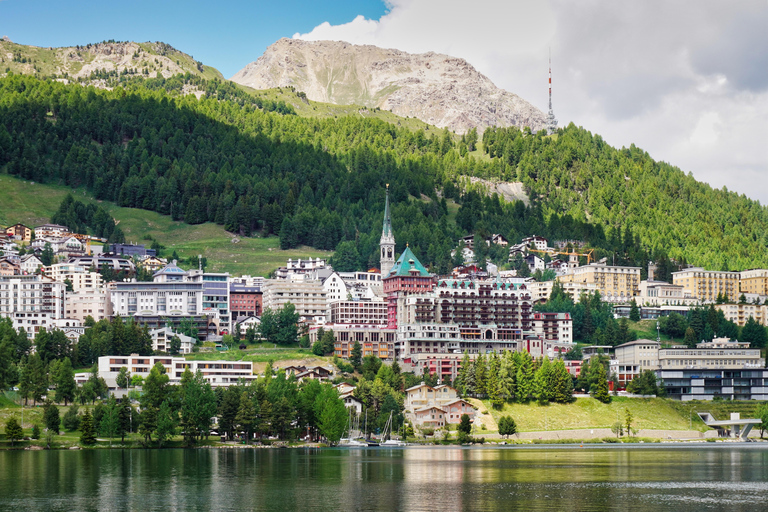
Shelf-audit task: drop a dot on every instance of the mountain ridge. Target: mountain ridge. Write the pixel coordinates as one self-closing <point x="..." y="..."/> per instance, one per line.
<point x="436" y="88"/>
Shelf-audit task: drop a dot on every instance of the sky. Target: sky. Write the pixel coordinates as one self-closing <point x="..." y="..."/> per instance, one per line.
<point x="687" y="81"/>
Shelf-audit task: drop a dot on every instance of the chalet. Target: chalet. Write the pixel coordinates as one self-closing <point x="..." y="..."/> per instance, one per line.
<point x="455" y="409"/>
<point x="498" y="240"/>
<point x="351" y="401"/>
<point x="30" y="263"/>
<point x="153" y="263"/>
<point x="8" y="267"/>
<point x="19" y="232"/>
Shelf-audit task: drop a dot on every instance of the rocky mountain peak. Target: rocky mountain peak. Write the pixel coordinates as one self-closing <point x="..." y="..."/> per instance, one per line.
<point x="439" y="89"/>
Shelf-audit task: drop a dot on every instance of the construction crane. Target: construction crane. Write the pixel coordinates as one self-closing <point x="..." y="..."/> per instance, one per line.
<point x="587" y="255"/>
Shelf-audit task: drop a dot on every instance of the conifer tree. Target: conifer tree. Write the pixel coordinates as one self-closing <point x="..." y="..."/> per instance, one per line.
<point x="87" y="431"/>
<point x="481" y="371"/>
<point x="525" y="379"/>
<point x="599" y="389"/>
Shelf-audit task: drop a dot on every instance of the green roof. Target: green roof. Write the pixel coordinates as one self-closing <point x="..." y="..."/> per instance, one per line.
<point x="405" y="263"/>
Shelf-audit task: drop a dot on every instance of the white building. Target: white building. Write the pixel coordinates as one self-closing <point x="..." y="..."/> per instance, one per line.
<point x="217" y="373"/>
<point x="161" y="340"/>
<point x="31" y="294"/>
<point x="51" y="230"/>
<point x="29" y="263"/>
<point x="335" y="288"/>
<point x="150" y="298"/>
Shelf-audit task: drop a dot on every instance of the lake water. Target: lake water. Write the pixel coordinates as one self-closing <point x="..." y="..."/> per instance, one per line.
<point x="680" y="478"/>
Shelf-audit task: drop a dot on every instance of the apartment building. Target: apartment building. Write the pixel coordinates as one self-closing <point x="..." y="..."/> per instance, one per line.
<point x="615" y="283"/>
<point x="307" y="295"/>
<point x="31" y="294"/>
<point x="154" y="299"/>
<point x="86" y="302"/>
<point x="706" y="285"/>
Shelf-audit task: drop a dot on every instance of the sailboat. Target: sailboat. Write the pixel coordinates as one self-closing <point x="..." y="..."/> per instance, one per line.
<point x="353" y="434"/>
<point x="387" y="432"/>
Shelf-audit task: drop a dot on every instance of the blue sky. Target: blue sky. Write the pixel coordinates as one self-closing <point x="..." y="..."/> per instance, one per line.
<point x="687" y="81"/>
<point x="226" y="35"/>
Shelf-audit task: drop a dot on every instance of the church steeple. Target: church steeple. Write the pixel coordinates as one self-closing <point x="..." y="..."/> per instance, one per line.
<point x="387" y="242"/>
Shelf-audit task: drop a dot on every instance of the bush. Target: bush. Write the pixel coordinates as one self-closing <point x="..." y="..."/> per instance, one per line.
<point x="35" y="431"/>
<point x="610" y="440"/>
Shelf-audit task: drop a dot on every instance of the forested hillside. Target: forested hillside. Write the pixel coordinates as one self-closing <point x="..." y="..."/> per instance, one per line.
<point x="321" y="182"/>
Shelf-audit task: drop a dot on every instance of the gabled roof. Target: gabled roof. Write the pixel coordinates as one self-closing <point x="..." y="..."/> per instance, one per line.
<point x="406" y="263"/>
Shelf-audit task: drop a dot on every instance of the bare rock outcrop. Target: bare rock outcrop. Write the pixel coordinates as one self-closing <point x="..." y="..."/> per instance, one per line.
<point x="438" y="89"/>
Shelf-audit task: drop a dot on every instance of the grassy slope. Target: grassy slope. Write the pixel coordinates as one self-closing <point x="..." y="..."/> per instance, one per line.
<point x="587" y="413"/>
<point x="33" y="204"/>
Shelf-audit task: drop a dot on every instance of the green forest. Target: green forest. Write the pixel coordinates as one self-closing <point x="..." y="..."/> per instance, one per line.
<point x="257" y="168"/>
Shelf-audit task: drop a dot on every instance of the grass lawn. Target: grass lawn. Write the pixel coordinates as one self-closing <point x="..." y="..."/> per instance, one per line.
<point x="33" y="204"/>
<point x="648" y="413"/>
<point x="646" y="330"/>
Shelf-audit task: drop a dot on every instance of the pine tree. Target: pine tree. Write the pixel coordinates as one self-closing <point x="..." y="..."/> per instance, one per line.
<point x="541" y="387"/>
<point x="634" y="311"/>
<point x="13" y="430"/>
<point x="480" y="375"/>
<point x="525" y="379"/>
<point x="246" y="415"/>
<point x="600" y="388"/>
<point x="87" y="431"/>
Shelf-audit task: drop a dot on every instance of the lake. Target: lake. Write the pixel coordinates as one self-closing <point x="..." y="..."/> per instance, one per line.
<point x="698" y="477"/>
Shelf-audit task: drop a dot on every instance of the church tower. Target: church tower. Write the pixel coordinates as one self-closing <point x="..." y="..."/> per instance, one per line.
<point x="387" y="242"/>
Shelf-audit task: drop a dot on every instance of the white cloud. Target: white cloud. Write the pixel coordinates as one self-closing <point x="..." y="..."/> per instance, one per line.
<point x="686" y="81"/>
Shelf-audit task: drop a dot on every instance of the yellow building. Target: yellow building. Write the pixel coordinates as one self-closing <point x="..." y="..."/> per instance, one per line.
<point x="740" y="313"/>
<point x="706" y="285"/>
<point x="615" y="283"/>
<point x="754" y="281"/>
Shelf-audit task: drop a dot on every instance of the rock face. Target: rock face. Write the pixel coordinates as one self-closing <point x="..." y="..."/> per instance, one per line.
<point x="438" y="89"/>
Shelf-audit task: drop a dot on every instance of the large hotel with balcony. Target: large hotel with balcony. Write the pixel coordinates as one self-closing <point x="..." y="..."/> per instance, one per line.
<point x="615" y="284"/>
<point x="706" y="285"/>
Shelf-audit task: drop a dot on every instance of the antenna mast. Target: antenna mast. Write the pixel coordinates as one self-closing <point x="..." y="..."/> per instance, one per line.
<point x="551" y="121"/>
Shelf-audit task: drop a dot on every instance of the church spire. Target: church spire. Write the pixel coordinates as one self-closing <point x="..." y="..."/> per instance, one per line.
<point x="387" y="242"/>
<point x="387" y="229"/>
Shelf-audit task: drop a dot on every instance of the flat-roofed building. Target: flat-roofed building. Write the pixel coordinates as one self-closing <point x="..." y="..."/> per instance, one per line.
<point x="375" y="340"/>
<point x="150" y="298"/>
<point x="307" y="295"/>
<point x="216" y="373"/>
<point x="631" y="359"/>
<point x="616" y="284"/>
<point x="367" y="312"/>
<point x="31" y="294"/>
<point x="720" y="354"/>
<point x="707" y="285"/>
<point x="87" y="302"/>
<point x="660" y="293"/>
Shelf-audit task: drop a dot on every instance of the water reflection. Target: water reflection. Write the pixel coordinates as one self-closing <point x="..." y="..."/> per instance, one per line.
<point x="433" y="479"/>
